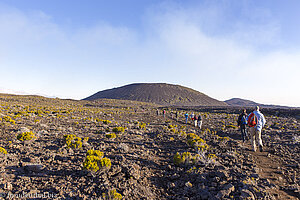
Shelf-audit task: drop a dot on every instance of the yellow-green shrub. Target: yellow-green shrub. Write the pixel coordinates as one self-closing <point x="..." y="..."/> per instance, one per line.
<point x="97" y="153"/>
<point x="195" y="141"/>
<point x="222" y="139"/>
<point x="177" y="159"/>
<point x="8" y="119"/>
<point x="91" y="163"/>
<point x="26" y="136"/>
<point x="212" y="156"/>
<point x="170" y="126"/>
<point x="115" y="195"/>
<point x="105" y="162"/>
<point x="106" y="122"/>
<point x="94" y="163"/>
<point x="72" y="141"/>
<point x="185" y="158"/>
<point x="110" y="135"/>
<point x="94" y="160"/>
<point x="2" y="150"/>
<point x="142" y="125"/>
<point x="112" y="195"/>
<point x="118" y="129"/>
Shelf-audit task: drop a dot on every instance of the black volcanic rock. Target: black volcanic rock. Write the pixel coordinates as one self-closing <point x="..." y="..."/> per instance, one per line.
<point x="159" y="93"/>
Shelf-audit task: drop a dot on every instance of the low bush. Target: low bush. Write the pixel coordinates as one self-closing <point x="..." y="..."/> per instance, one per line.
<point x="142" y="125"/>
<point x="195" y="141"/>
<point x="186" y="158"/>
<point x="2" y="150"/>
<point x="118" y="129"/>
<point x="106" y="122"/>
<point x="72" y="141"/>
<point x="26" y="136"/>
<point x="94" y="161"/>
<point x="110" y="135"/>
<point x="112" y="195"/>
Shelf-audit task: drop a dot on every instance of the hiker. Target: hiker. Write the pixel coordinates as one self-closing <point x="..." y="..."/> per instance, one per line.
<point x="195" y="120"/>
<point x="157" y="112"/>
<point x="164" y="113"/>
<point x="256" y="121"/>
<point x="186" y="117"/>
<point x="199" y="121"/>
<point x="242" y="122"/>
<point x="192" y="116"/>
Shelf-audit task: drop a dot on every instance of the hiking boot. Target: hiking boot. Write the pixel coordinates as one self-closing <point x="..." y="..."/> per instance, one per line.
<point x="260" y="148"/>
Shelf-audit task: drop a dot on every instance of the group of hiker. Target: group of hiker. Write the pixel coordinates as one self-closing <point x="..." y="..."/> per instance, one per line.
<point x="196" y="119"/>
<point x="164" y="112"/>
<point x="255" y="121"/>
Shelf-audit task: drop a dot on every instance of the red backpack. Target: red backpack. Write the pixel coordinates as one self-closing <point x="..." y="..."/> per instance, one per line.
<point x="252" y="120"/>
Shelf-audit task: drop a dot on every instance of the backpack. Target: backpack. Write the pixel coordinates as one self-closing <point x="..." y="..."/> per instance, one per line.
<point x="252" y="120"/>
<point x="243" y="120"/>
<point x="195" y="118"/>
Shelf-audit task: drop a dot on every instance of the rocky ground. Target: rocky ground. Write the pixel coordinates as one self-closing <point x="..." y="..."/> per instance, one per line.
<point x="142" y="157"/>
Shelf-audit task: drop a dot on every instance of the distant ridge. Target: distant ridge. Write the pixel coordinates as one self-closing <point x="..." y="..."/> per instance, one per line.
<point x="15" y="92"/>
<point x="241" y="102"/>
<point x="247" y="103"/>
<point x="159" y="93"/>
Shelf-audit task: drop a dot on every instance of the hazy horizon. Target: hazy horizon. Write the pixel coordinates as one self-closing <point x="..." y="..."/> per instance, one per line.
<point x="225" y="49"/>
<point x="7" y="91"/>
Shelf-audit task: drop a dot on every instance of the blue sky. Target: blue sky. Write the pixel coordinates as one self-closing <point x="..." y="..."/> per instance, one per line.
<point x="223" y="48"/>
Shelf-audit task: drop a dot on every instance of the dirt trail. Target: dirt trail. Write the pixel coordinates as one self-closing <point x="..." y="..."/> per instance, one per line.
<point x="270" y="168"/>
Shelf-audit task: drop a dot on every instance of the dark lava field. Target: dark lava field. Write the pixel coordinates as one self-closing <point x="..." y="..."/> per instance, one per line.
<point x="113" y="149"/>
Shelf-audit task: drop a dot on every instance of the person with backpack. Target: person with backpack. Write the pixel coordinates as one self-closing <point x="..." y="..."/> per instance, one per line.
<point x="242" y="122"/>
<point x="256" y="122"/>
<point x="192" y="116"/>
<point x="195" y="120"/>
<point x="199" y="121"/>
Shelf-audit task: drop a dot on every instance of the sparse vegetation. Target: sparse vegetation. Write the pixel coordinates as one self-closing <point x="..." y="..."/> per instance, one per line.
<point x="118" y="129"/>
<point x="72" y="141"/>
<point x="26" y="136"/>
<point x="112" y="195"/>
<point x="142" y="125"/>
<point x="110" y="135"/>
<point x="195" y="141"/>
<point x="94" y="161"/>
<point x="105" y="162"/>
<point x="153" y="150"/>
<point x="2" y="150"/>
<point x="106" y="122"/>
